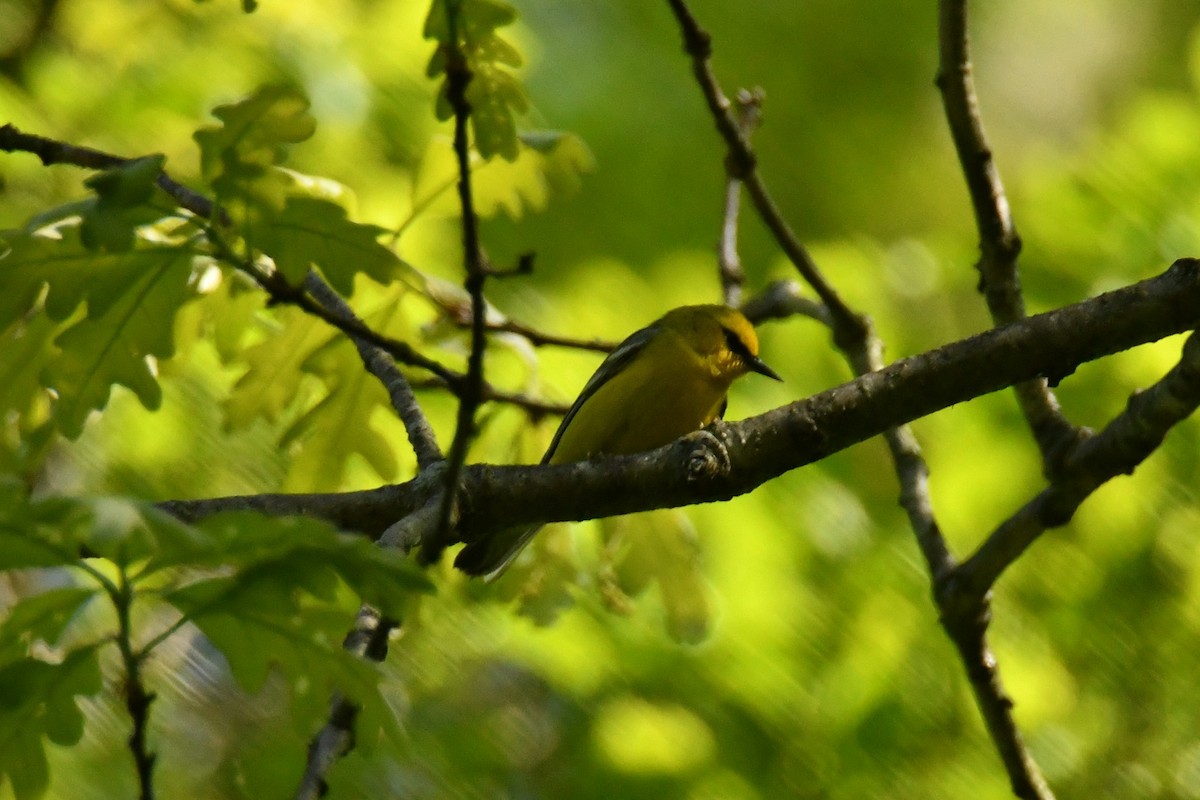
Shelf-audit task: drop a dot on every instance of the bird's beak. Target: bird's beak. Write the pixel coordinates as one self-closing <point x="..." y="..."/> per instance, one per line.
<point x="756" y="364"/>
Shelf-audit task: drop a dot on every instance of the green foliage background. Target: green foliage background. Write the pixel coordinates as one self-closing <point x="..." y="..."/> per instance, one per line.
<point x="802" y="657"/>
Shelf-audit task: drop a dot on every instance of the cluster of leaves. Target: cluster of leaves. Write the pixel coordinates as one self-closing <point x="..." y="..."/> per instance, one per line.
<point x="271" y="595"/>
<point x="106" y="291"/>
<point x="466" y="29"/>
<point x="99" y="283"/>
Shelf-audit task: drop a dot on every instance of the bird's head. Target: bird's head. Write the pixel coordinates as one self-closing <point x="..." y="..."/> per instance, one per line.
<point x="721" y="336"/>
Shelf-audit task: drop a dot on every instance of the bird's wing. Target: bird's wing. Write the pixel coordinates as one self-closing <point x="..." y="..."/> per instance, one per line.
<point x="617" y="361"/>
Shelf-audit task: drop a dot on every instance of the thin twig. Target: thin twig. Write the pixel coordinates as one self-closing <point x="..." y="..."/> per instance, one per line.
<point x="368" y="640"/>
<point x="999" y="243"/>
<point x="377" y="362"/>
<point x="541" y="339"/>
<point x="532" y="406"/>
<point x="52" y="151"/>
<point x="968" y="633"/>
<point x="280" y="291"/>
<point x="849" y="328"/>
<point x="137" y="697"/>
<point x="749" y="108"/>
<point x="782" y="300"/>
<point x="460" y="315"/>
<point x="458" y="78"/>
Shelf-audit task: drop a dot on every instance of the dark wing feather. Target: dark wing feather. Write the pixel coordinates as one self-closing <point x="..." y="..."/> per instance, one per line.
<point x="617" y="360"/>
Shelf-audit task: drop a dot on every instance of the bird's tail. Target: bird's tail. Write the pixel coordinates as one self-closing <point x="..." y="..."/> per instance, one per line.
<point x="492" y="554"/>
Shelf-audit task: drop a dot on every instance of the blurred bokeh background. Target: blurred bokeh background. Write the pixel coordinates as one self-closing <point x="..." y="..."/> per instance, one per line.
<point x="780" y="645"/>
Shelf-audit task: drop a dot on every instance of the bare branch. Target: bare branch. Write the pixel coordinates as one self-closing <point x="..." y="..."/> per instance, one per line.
<point x="51" y="151"/>
<point x="781" y="300"/>
<point x="533" y="406"/>
<point x="853" y="334"/>
<point x="999" y="244"/>
<point x="1117" y="450"/>
<point x="968" y="633"/>
<point x="368" y="640"/>
<point x="458" y="77"/>
<point x="749" y="108"/>
<point x="740" y="162"/>
<point x="377" y="362"/>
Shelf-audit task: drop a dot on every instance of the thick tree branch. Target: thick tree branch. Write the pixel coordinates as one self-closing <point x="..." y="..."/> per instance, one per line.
<point x="999" y="244"/>
<point x="962" y="594"/>
<point x="763" y="447"/>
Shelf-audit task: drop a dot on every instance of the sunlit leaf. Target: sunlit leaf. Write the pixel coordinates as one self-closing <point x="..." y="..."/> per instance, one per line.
<point x="316" y="232"/>
<point x="252" y="137"/>
<point x="26" y="346"/>
<point x="493" y="94"/>
<point x="274" y="376"/>
<point x="132" y="298"/>
<point x="340" y="425"/>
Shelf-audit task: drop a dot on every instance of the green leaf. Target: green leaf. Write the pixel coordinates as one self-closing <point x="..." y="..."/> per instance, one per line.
<point x="37" y="701"/>
<point x="549" y="162"/>
<point x="312" y="231"/>
<point x="335" y="429"/>
<point x="341" y="424"/>
<point x="252" y="137"/>
<point x="283" y="602"/>
<point x="660" y="547"/>
<point x="272" y="382"/>
<point x="26" y="347"/>
<point x="51" y="532"/>
<point x="41" y="617"/>
<point x="289" y="555"/>
<point x="132" y="298"/>
<point x="493" y="93"/>
<point x="126" y="532"/>
<point x="40" y="533"/>
<point x="122" y="204"/>
<point x="123" y="329"/>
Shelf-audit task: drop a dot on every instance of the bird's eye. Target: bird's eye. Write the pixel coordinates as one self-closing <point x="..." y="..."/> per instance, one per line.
<point x="735" y="344"/>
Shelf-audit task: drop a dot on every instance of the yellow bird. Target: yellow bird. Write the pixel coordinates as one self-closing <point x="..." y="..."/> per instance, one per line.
<point x="664" y="381"/>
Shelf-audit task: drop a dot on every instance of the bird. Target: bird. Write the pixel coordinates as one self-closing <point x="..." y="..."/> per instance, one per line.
<point x="662" y="382"/>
